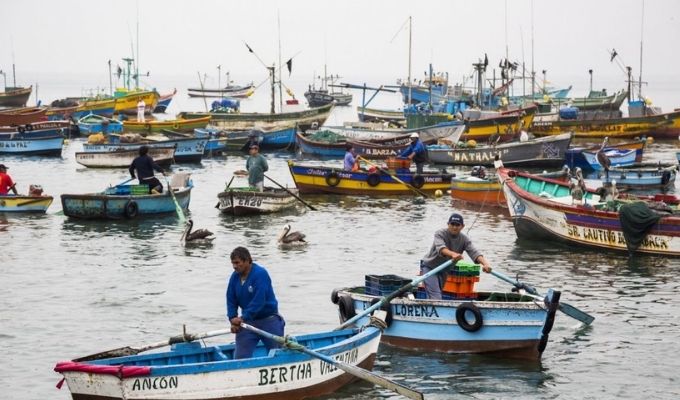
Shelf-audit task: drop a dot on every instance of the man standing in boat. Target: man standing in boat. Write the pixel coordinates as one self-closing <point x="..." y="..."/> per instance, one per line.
<point x="351" y="163"/>
<point x="145" y="166"/>
<point x="250" y="289"/>
<point x="6" y="183"/>
<point x="416" y="152"/>
<point x="256" y="166"/>
<point x="449" y="242"/>
<point x="141" y="108"/>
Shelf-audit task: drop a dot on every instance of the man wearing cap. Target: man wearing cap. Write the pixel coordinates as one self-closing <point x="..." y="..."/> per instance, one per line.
<point x="449" y="243"/>
<point x="256" y="166"/>
<point x="416" y="152"/>
<point x="6" y="183"/>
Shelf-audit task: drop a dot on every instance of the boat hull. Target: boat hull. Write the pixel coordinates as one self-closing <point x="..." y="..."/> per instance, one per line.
<point x="507" y="127"/>
<point x="510" y="329"/>
<point x="15" y="96"/>
<point x="158" y="126"/>
<point x="46" y="146"/>
<point x="22" y="116"/>
<point x="479" y="191"/>
<point x="32" y="204"/>
<point x="102" y="206"/>
<point x="186" y="150"/>
<point x="248" y="202"/>
<point x="319" y="179"/>
<point x="211" y="374"/>
<point x="162" y="156"/>
<point x="376" y="115"/>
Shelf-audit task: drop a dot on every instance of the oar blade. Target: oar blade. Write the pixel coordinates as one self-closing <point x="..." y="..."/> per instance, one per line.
<point x="575" y="313"/>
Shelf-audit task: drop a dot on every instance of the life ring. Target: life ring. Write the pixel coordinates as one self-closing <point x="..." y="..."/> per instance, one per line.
<point x="131" y="209"/>
<point x="418" y="181"/>
<point x="29" y="127"/>
<point x="21" y="129"/>
<point x="346" y="308"/>
<point x="463" y="322"/>
<point x="387" y="308"/>
<point x="665" y="177"/>
<point x="512" y="174"/>
<point x="373" y="179"/>
<point x="175" y="126"/>
<point x="332" y="179"/>
<point x="334" y="296"/>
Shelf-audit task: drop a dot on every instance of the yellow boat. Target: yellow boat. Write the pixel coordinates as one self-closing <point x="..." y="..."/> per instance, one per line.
<point x="659" y="126"/>
<point x="180" y="124"/>
<point x="507" y="126"/>
<point x="322" y="179"/>
<point x="97" y="106"/>
<point x="126" y="100"/>
<point x="25" y="203"/>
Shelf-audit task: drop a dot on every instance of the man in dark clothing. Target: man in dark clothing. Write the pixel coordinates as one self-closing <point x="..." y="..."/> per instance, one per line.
<point x="145" y="166"/>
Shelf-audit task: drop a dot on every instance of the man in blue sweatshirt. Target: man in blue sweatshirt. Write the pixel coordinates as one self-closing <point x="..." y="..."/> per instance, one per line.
<point x="250" y="289"/>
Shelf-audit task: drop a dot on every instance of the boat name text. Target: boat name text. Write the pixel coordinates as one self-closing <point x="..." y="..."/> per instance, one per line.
<point x="295" y="372"/>
<point x="162" y="382"/>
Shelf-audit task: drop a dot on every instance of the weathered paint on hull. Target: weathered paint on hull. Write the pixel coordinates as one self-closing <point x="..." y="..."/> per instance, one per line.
<point x="99" y="206"/>
<point x="46" y="146"/>
<point x="122" y="159"/>
<point x="16" y="97"/>
<point x="520" y="349"/>
<point x="127" y="104"/>
<point x="478" y="192"/>
<point x="244" y="202"/>
<point x="158" y="126"/>
<point x="33" y="204"/>
<point x="508" y="127"/>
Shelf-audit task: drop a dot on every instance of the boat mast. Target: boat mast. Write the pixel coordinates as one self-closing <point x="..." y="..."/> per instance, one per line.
<point x="137" y="63"/>
<point x="642" y="25"/>
<point x="533" y="71"/>
<point x="280" y="65"/>
<point x="272" y="74"/>
<point x="110" y="80"/>
<point x="409" y="60"/>
<point x="219" y="76"/>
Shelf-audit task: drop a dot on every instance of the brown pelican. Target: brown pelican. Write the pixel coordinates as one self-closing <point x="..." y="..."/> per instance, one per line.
<point x="602" y="158"/>
<point x="577" y="189"/>
<point x="291" y="239"/>
<point x="199" y="236"/>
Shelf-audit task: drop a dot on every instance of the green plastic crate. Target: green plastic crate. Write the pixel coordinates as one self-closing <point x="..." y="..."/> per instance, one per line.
<point x="138" y="190"/>
<point x="465" y="268"/>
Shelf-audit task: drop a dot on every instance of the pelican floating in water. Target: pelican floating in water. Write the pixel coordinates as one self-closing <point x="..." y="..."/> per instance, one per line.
<point x="199" y="236"/>
<point x="291" y="239"/>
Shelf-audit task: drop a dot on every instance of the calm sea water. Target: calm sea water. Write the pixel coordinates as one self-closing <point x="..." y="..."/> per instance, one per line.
<point x="72" y="287"/>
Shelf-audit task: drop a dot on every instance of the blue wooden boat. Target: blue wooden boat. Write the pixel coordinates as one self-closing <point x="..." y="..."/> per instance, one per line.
<point x="93" y="123"/>
<point x="618" y="157"/>
<point x="198" y="371"/>
<point x="18" y="144"/>
<point x="164" y="102"/>
<point x="495" y="323"/>
<point x="374" y="149"/>
<point x="220" y="140"/>
<point x="187" y="149"/>
<point x="575" y="157"/>
<point x="278" y="138"/>
<point x="639" y="176"/>
<point x="128" y="201"/>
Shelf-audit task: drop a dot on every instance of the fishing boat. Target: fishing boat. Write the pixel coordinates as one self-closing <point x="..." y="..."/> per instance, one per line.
<point x="248" y="201"/>
<point x="325" y="179"/>
<point x="127" y="100"/>
<point x="531" y="153"/>
<point x="363" y="131"/>
<point x="241" y="121"/>
<point x="280" y="137"/>
<point x="374" y="149"/>
<point x="503" y="324"/>
<point x="318" y="97"/>
<point x="395" y="117"/>
<point x="235" y="91"/>
<point x="544" y="209"/>
<point x="32" y="204"/>
<point x="575" y="158"/>
<point x="198" y="371"/>
<point x="18" y="144"/>
<point x="220" y="140"/>
<point x="639" y="176"/>
<point x="93" y="123"/>
<point x="128" y="201"/>
<point x="501" y="127"/>
<point x="658" y="126"/>
<point x="74" y="108"/>
<point x="179" y="124"/>
<point x="186" y="149"/>
<point x="617" y="157"/>
<point x="164" y="101"/>
<point x="162" y="155"/>
<point x="15" y="96"/>
<point x="598" y="100"/>
<point x="22" y="115"/>
<point x="39" y="129"/>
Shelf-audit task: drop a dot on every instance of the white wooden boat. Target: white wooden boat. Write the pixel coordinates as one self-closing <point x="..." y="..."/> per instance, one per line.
<point x="245" y="201"/>
<point x="122" y="158"/>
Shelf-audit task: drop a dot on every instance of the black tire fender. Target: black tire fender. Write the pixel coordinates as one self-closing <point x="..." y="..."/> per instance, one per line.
<point x="29" y="127"/>
<point x="332" y="179"/>
<point x="387" y="308"/>
<point x="665" y="177"/>
<point x="21" y="129"/>
<point x="418" y="181"/>
<point x="373" y="179"/>
<point x="463" y="322"/>
<point x="334" y="296"/>
<point x="131" y="209"/>
<point x="346" y="308"/>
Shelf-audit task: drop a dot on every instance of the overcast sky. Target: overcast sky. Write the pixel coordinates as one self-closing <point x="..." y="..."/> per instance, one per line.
<point x="362" y="39"/>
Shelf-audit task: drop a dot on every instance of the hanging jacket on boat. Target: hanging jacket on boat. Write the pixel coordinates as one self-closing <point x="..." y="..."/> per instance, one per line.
<point x="636" y="220"/>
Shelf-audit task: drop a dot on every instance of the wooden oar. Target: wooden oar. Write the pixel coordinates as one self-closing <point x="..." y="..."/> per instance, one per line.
<point x="291" y="193"/>
<point x="386" y="299"/>
<point x="350" y="369"/>
<point x="27" y="202"/>
<point x="228" y="184"/>
<point x="124" y="182"/>
<point x="130" y="351"/>
<point x="178" y="209"/>
<point x="564" y="307"/>
<point x="395" y="178"/>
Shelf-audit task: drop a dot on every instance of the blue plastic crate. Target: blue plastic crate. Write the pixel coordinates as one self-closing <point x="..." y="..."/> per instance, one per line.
<point x="381" y="285"/>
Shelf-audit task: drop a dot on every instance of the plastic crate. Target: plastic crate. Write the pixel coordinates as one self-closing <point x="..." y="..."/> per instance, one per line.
<point x="381" y="285"/>
<point x="460" y="285"/>
<point x="464" y="268"/>
<point x="398" y="163"/>
<point x="138" y="190"/>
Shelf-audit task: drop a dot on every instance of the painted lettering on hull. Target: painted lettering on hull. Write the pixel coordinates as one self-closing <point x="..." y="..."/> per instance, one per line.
<point x="613" y="238"/>
<point x="162" y="382"/>
<point x="348" y="357"/>
<point x="416" y="310"/>
<point x="291" y="373"/>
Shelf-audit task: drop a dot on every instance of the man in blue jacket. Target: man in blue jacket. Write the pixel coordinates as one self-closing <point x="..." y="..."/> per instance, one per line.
<point x="416" y="152"/>
<point x="250" y="289"/>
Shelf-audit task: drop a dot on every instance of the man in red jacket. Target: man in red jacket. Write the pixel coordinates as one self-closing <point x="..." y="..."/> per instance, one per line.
<point x="6" y="183"/>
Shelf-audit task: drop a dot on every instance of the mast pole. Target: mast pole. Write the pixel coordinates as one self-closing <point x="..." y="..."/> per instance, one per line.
<point x="533" y="71"/>
<point x="642" y="25"/>
<point x="409" y="60"/>
<point x="280" y="65"/>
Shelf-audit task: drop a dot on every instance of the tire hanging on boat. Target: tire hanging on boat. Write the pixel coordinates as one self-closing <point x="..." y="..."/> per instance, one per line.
<point x="665" y="177"/>
<point x="463" y="322"/>
<point x="29" y="127"/>
<point x="332" y="179"/>
<point x="418" y="181"/>
<point x="373" y="179"/>
<point x="387" y="308"/>
<point x="131" y="209"/>
<point x="334" y="296"/>
<point x="21" y="129"/>
<point x="346" y="308"/>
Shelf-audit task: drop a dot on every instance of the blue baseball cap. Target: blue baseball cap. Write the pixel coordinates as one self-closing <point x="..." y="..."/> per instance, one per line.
<point x="456" y="218"/>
